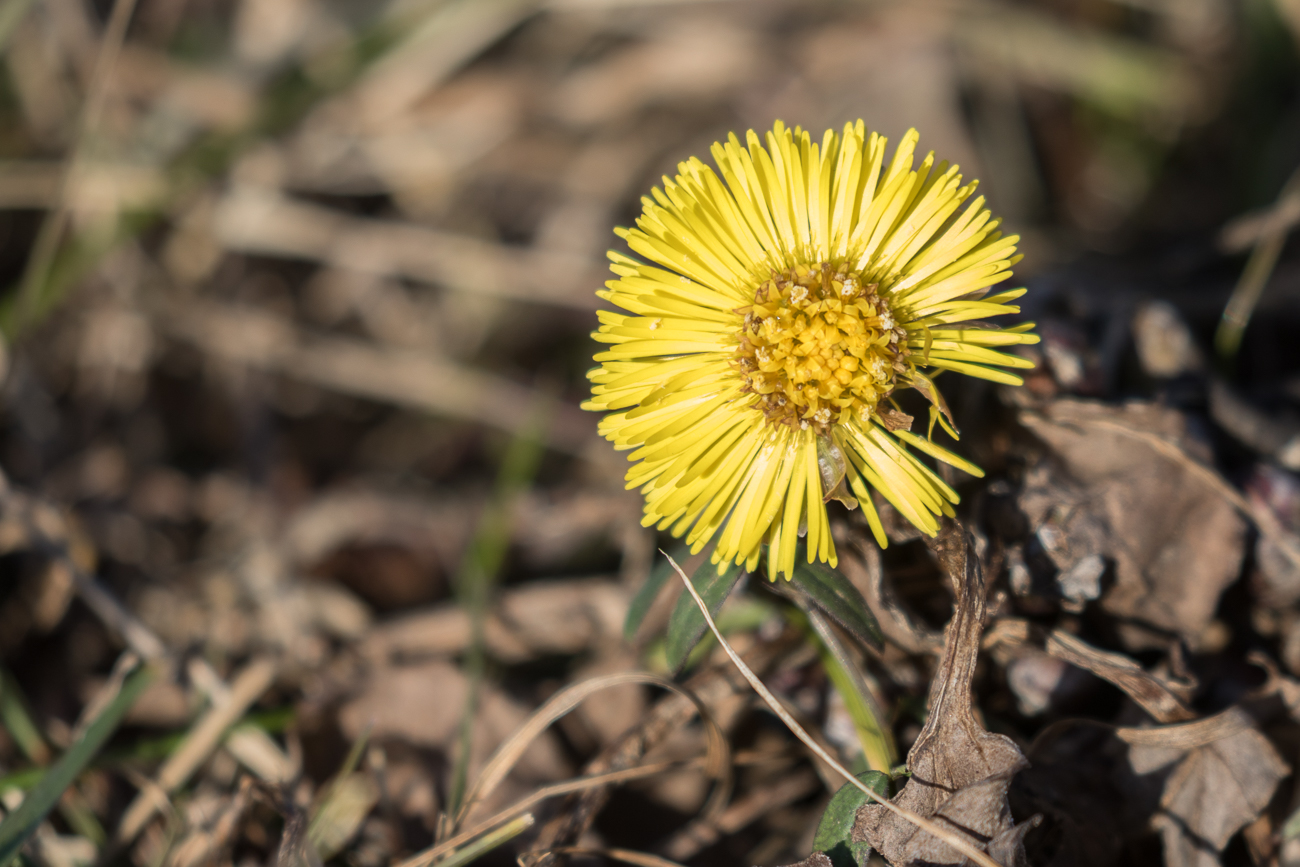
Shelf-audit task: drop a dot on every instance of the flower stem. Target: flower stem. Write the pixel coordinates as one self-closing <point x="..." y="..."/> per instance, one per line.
<point x="869" y="719"/>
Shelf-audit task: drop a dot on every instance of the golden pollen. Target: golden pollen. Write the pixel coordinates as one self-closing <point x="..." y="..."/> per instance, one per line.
<point x="818" y="346"/>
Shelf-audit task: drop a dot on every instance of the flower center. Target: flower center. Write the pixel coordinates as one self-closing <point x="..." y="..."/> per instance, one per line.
<point x="817" y="346"/>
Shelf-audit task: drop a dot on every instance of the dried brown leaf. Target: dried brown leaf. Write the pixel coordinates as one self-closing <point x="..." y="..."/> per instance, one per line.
<point x="1008" y="848"/>
<point x="979" y="812"/>
<point x="422" y="705"/>
<point x="816" y="859"/>
<point x="1199" y="782"/>
<point x="1148" y="690"/>
<point x="338" y="818"/>
<point x="561" y="617"/>
<point x="1175" y="546"/>
<point x="963" y="846"/>
<point x="1215" y="791"/>
<point x="953" y="751"/>
<point x="1066" y="525"/>
<point x="894" y="419"/>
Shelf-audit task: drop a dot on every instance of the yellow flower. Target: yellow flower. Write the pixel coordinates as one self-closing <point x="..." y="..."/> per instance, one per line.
<point x="786" y="297"/>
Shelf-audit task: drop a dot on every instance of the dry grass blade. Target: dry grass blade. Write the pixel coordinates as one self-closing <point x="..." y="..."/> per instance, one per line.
<point x="254" y="680"/>
<point x="431" y="50"/>
<point x="925" y="824"/>
<point x="715" y="685"/>
<point x="717" y="760"/>
<point x="491" y="841"/>
<point x="204" y="843"/>
<point x="1256" y="227"/>
<point x="575" y="785"/>
<point x="265" y="224"/>
<point x="417" y="380"/>
<point x="579" y="783"/>
<point x="719" y="753"/>
<point x="116" y="616"/>
<point x="1270" y="238"/>
<point x="107" y="694"/>
<point x="51" y="232"/>
<point x="707" y="830"/>
<point x="258" y="751"/>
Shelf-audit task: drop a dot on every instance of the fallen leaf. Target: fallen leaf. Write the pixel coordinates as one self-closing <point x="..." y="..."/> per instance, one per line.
<point x="564" y="616"/>
<point x="955" y="763"/>
<point x="540" y="617"/>
<point x="1197" y="783"/>
<point x="1276" y="492"/>
<point x="1176" y="545"/>
<point x="1165" y="345"/>
<point x="1215" y="789"/>
<point x="979" y="812"/>
<point x="1067" y="531"/>
<point x="1075" y="785"/>
<point x="816" y="859"/>
<point x="422" y="705"/>
<point x="1008" y="848"/>
<point x="1154" y="695"/>
<point x="1263" y="432"/>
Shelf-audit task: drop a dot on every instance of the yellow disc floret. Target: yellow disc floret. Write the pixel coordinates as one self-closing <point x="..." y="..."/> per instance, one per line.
<point x="819" y="347"/>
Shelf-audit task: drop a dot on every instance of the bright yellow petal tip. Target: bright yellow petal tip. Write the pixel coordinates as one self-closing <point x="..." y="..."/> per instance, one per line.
<point x="781" y="301"/>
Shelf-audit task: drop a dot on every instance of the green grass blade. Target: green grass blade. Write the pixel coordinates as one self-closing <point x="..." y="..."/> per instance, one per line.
<point x="22" y="823"/>
<point x="476" y="580"/>
<point x="488" y="842"/>
<point x="17" y="720"/>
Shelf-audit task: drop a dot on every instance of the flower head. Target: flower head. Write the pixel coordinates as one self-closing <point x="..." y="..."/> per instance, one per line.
<point x="785" y="298"/>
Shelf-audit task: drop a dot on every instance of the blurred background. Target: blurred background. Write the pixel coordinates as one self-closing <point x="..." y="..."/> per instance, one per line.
<point x="296" y="303"/>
